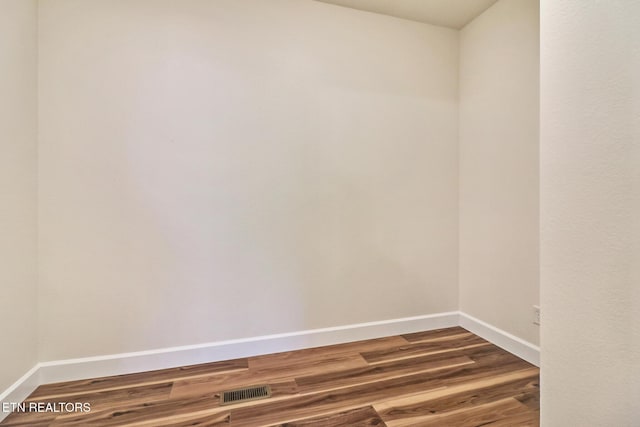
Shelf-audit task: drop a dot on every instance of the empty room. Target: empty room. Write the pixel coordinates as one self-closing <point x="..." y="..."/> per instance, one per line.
<point x="320" y="213"/>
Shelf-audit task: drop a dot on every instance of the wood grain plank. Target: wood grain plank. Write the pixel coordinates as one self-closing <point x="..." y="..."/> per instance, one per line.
<point x="219" y="420"/>
<point x="410" y="410"/>
<point x="370" y="374"/>
<point x="436" y="335"/>
<point x="29" y="419"/>
<point x="106" y="399"/>
<point x="311" y="355"/>
<point x="277" y="372"/>
<point x="168" y="411"/>
<point x="531" y="399"/>
<point x="484" y="355"/>
<point x="422" y="349"/>
<point x="359" y="417"/>
<point x="490" y="414"/>
<point x="520" y="420"/>
<point x="66" y="389"/>
<point x="24" y="423"/>
<point x="98" y="401"/>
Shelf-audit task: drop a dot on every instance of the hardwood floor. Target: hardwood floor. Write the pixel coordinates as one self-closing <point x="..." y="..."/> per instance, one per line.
<point x="447" y="377"/>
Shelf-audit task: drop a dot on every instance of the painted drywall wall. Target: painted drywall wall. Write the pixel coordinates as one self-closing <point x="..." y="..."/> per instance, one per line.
<point x="18" y="120"/>
<point x="215" y="170"/>
<point x="499" y="92"/>
<point x="590" y="212"/>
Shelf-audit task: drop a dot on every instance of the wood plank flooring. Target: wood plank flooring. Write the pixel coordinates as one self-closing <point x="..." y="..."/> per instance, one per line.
<point x="448" y="377"/>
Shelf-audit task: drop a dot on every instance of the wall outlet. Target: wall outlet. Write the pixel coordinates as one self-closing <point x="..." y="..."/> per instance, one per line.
<point x="536" y="315"/>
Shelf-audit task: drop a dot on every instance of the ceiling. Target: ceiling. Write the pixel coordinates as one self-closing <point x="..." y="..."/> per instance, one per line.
<point x="447" y="13"/>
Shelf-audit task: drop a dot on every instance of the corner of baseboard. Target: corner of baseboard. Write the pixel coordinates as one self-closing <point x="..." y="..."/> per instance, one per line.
<point x="20" y="390"/>
<point x="509" y="342"/>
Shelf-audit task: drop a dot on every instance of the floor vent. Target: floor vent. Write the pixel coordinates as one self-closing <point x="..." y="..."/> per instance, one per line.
<point x="245" y="394"/>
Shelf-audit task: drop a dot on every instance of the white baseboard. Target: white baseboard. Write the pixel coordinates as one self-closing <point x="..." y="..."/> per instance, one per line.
<point x="521" y="348"/>
<point x="126" y="363"/>
<point x="21" y="389"/>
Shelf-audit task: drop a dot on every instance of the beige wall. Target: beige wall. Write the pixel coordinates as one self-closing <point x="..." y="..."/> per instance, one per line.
<point x="18" y="121"/>
<point x="215" y="170"/>
<point x="499" y="166"/>
<point x="590" y="212"/>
